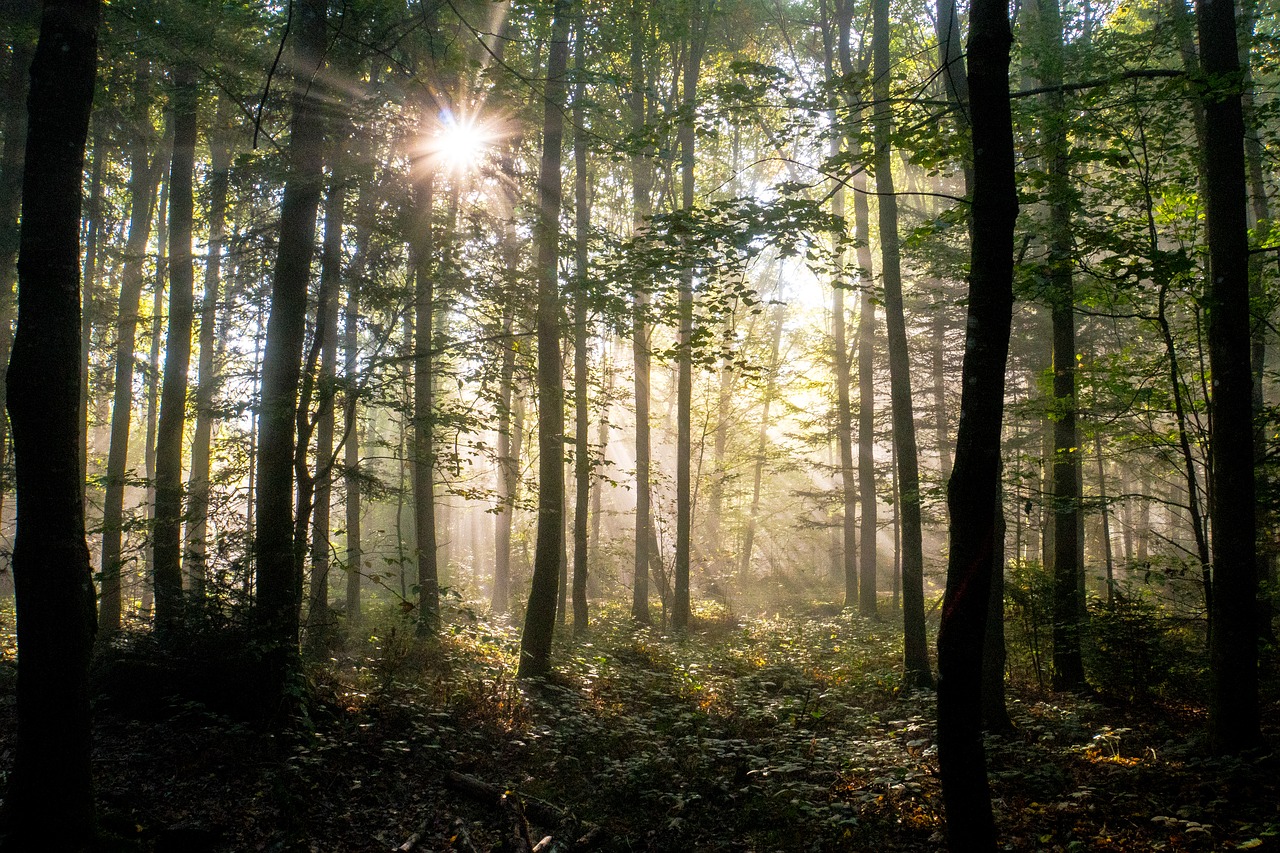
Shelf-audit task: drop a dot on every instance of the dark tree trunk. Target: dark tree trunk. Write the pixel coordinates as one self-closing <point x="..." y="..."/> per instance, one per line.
<point x="24" y="22"/>
<point x="167" y="535"/>
<point x="539" y="623"/>
<point x="1068" y="667"/>
<point x="279" y="588"/>
<point x="1233" y="649"/>
<point x="50" y="788"/>
<point x="88" y="299"/>
<point x="974" y="487"/>
<point x="207" y="382"/>
<point x="915" y="646"/>
<point x="581" y="452"/>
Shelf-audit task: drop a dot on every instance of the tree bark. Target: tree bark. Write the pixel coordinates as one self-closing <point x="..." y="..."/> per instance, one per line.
<point x="167" y="535"/>
<point x="207" y="382"/>
<point x="319" y="620"/>
<point x="539" y="623"/>
<point x="50" y="785"/>
<point x="143" y="178"/>
<point x="641" y="189"/>
<point x="279" y="588"/>
<point x="684" y="335"/>
<point x="1233" y="649"/>
<point x="25" y="22"/>
<point x="974" y="487"/>
<point x="915" y="647"/>
<point x="582" y="452"/>
<point x="424" y="499"/>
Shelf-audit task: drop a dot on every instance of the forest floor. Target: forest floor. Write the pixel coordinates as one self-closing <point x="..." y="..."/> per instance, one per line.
<point x="761" y="734"/>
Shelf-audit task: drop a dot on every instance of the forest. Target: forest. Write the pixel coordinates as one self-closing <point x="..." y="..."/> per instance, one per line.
<point x="686" y="425"/>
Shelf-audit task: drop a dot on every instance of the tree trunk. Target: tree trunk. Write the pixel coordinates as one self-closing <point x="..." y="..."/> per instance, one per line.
<point x="684" y="336"/>
<point x="974" y="487"/>
<point x="641" y="188"/>
<point x="319" y="621"/>
<point x="582" y="452"/>
<point x="424" y="499"/>
<point x="207" y="383"/>
<point x="50" y="786"/>
<point x="152" y="375"/>
<point x="167" y="535"/>
<point x="144" y="175"/>
<point x="88" y="301"/>
<point x="1068" y="668"/>
<point x="279" y="590"/>
<point x="25" y="21"/>
<point x="351" y="415"/>
<point x="915" y="647"/>
<point x="1233" y="650"/>
<point x="539" y="624"/>
<point x="762" y="441"/>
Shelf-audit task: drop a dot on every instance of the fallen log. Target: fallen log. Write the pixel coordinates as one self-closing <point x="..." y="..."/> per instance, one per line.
<point x="521" y="809"/>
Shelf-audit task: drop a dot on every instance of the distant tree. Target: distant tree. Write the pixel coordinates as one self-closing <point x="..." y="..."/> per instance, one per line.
<point x="144" y="173"/>
<point x="581" y="414"/>
<point x="167" y="536"/>
<point x="50" y="788"/>
<point x="539" y="620"/>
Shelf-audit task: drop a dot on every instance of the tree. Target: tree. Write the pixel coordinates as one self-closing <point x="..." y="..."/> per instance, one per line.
<point x="581" y="449"/>
<point x="25" y="22"/>
<point x="1233" y="651"/>
<point x="167" y="536"/>
<point x="915" y="648"/>
<point x="51" y="786"/>
<point x="143" y="178"/>
<point x="539" y="621"/>
<point x="207" y="383"/>
<point x="974" y="487"/>
<point x="687" y="137"/>
<point x="641" y="209"/>
<point x="279" y="585"/>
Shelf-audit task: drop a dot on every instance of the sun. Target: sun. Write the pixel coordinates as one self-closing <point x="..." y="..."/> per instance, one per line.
<point x="461" y="143"/>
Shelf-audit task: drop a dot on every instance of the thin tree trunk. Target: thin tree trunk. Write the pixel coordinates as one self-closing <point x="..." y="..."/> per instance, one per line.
<point x="641" y="188"/>
<point x="207" y="383"/>
<point x="144" y="175"/>
<point x="167" y="535"/>
<point x="424" y="499"/>
<point x="351" y="422"/>
<point x="762" y="441"/>
<point x="1106" y="518"/>
<point x="153" y="387"/>
<point x="319" y="620"/>
<point x="89" y="302"/>
<point x="50" y="785"/>
<point x="915" y="647"/>
<point x="684" y="335"/>
<point x="539" y="625"/>
<point x="582" y="453"/>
